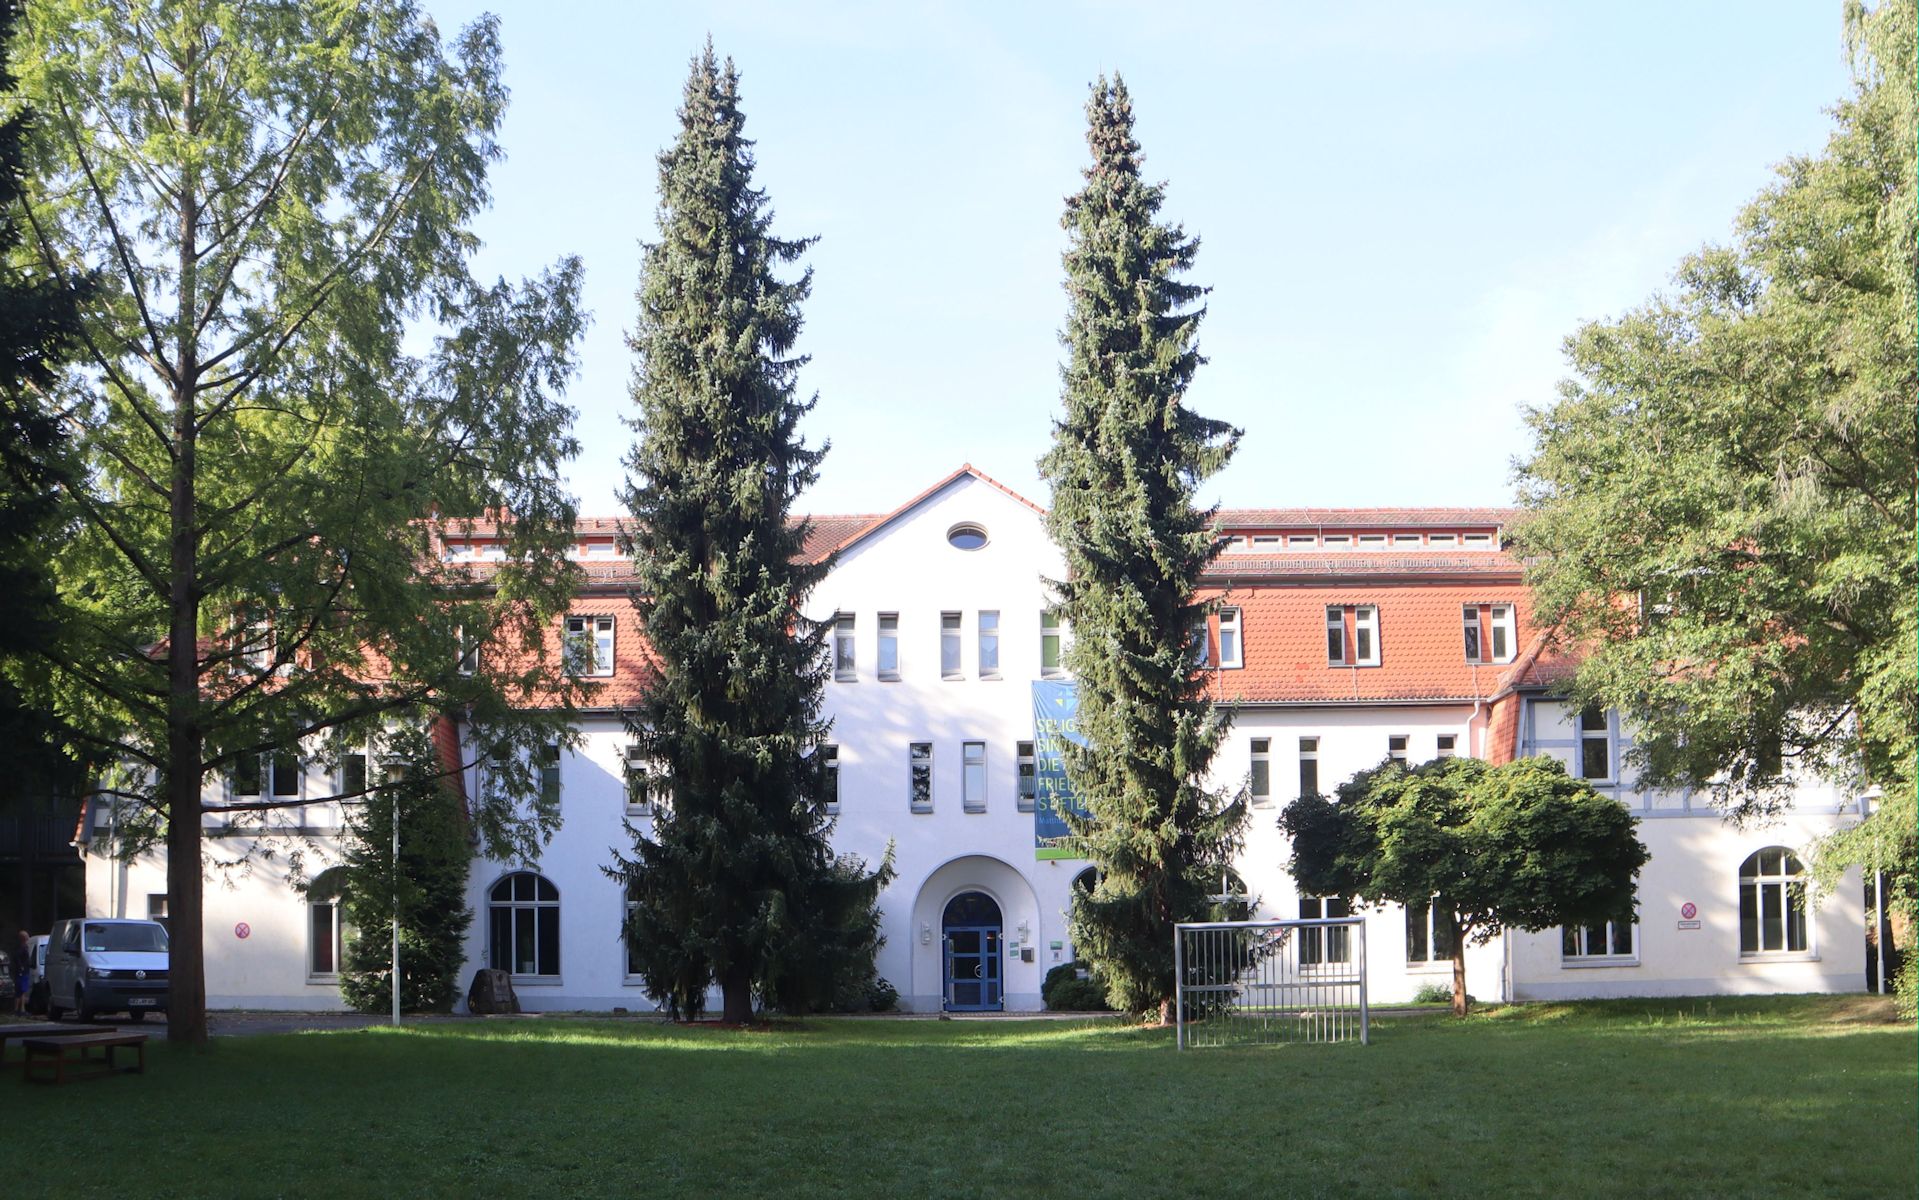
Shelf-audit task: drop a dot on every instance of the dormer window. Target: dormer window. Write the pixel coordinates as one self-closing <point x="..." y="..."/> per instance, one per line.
<point x="966" y="536"/>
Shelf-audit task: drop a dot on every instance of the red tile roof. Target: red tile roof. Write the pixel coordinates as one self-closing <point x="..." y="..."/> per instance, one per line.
<point x="1422" y="653"/>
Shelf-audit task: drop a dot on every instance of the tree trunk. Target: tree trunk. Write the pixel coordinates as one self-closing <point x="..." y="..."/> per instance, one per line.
<point x="1459" y="970"/>
<point x="186" y="962"/>
<point x="736" y="997"/>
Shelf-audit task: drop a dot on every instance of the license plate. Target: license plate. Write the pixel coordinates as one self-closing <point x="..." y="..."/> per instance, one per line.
<point x="144" y="1001"/>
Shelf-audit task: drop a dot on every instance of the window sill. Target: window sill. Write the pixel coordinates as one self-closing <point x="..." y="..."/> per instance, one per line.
<point x="889" y="678"/>
<point x="1592" y="961"/>
<point x="1442" y="967"/>
<point x="945" y="678"/>
<point x="639" y="812"/>
<point x="1761" y="958"/>
<point x="538" y="981"/>
<point x="839" y="678"/>
<point x="995" y="677"/>
<point x="974" y="812"/>
<point x="921" y="810"/>
<point x="323" y="981"/>
<point x="637" y="981"/>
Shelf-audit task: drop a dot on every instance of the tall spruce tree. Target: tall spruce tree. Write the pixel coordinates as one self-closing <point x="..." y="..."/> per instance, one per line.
<point x="1126" y="462"/>
<point x="734" y="882"/>
<point x="39" y="330"/>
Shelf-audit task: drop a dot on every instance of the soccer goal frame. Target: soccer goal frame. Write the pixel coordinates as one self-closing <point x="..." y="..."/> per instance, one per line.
<point x="1253" y="982"/>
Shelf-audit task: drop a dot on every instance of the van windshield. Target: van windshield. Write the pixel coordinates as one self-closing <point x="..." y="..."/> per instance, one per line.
<point x="125" y="937"/>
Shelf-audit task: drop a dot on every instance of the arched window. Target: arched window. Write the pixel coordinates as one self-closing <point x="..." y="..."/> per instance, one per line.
<point x="1772" y="903"/>
<point x="523" y="925"/>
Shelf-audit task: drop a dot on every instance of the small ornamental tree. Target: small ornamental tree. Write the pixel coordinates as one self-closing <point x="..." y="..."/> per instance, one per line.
<point x="429" y="889"/>
<point x="1128" y="457"/>
<point x="1518" y="846"/>
<point x="734" y="881"/>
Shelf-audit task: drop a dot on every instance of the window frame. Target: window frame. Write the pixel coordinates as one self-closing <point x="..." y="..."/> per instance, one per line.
<point x="1356" y="627"/>
<point x="1600" y="736"/>
<point x="1399" y="748"/>
<point x="1791" y="884"/>
<point x="889" y="639"/>
<point x="581" y="639"/>
<point x="1446" y="745"/>
<point x="845" y="647"/>
<point x="1052" y="628"/>
<point x="1324" y="949"/>
<point x="1259" y="778"/>
<point x="1575" y="945"/>
<point x="952" y="647"/>
<point x="1431" y="938"/>
<point x="641" y="778"/>
<point x="987" y="648"/>
<point x="537" y="904"/>
<point x="830" y="776"/>
<point x="1309" y="756"/>
<point x="919" y="777"/>
<point x="1232" y="624"/>
<point x="973" y="777"/>
<point x="1025" y="776"/>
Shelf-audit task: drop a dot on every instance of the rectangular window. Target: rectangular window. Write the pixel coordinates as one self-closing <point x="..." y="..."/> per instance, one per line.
<point x="1229" y="641"/>
<point x="1266" y="541"/>
<point x="1406" y="539"/>
<point x="1301" y="539"/>
<point x="1469" y="619"/>
<point x="1309" y="766"/>
<point x="1448" y="744"/>
<point x="1340" y="540"/>
<point x="989" y="645"/>
<point x="352" y="773"/>
<point x="1396" y="747"/>
<point x="1482" y="541"/>
<point x="919" y="776"/>
<point x="843" y="658"/>
<point x="973" y="776"/>
<point x="1262" y="772"/>
<point x="889" y="661"/>
<point x="245" y="776"/>
<point x="1595" y="745"/>
<point x="1502" y="632"/>
<point x="1028" y="775"/>
<point x="588" y="648"/>
<point x="1429" y="932"/>
<point x="1608" y="939"/>
<point x="634" y="966"/>
<point x="1441" y="539"/>
<point x="645" y="782"/>
<point x="469" y="651"/>
<point x="550" y="773"/>
<point x="1318" y="947"/>
<point x="1199" y="639"/>
<point x="1358" y="647"/>
<point x="1052" y="661"/>
<point x="286" y="774"/>
<point x="323" y="940"/>
<point x="950" y="667"/>
<point x="830" y="776"/>
<point x="1372" y="541"/>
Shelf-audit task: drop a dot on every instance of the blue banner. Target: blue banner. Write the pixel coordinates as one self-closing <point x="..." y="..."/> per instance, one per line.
<point x="1055" y="722"/>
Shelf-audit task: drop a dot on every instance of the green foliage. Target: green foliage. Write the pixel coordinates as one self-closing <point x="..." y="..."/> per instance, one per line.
<point x="1739" y="456"/>
<point x="734" y="881"/>
<point x="1127" y="459"/>
<point x="1064" y="991"/>
<point x="429" y="889"/>
<point x="1518" y="846"/>
<point x="290" y="373"/>
<point x="39" y="330"/>
<point x="1432" y="993"/>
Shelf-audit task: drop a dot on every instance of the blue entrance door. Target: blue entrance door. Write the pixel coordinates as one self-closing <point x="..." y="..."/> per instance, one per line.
<point x="973" y="954"/>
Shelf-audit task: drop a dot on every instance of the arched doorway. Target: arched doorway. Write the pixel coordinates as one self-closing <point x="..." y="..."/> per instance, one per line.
<point x="972" y="927"/>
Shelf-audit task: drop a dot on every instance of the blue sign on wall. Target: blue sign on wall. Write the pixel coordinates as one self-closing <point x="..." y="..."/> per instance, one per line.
<point x="1055" y="722"/>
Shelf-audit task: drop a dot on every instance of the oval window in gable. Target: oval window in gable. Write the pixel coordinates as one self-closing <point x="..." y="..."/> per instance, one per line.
<point x="966" y="536"/>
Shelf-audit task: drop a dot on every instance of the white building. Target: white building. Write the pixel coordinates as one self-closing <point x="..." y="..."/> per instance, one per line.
<point x="1344" y="635"/>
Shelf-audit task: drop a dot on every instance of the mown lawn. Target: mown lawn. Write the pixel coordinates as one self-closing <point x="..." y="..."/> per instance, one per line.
<point x="1726" y="1097"/>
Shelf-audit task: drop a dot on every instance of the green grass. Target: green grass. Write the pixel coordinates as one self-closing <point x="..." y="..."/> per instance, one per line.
<point x="1730" y="1097"/>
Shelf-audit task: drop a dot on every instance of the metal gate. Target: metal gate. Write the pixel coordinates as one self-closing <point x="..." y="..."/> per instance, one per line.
<point x="1251" y="982"/>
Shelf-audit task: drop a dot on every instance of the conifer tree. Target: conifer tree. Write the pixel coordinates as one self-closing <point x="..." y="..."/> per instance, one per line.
<point x="734" y="882"/>
<point x="1126" y="461"/>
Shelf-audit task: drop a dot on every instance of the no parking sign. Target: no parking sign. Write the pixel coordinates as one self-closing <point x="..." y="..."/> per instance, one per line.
<point x="243" y="931"/>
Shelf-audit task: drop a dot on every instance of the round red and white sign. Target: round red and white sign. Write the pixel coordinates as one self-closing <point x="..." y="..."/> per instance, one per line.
<point x="1688" y="910"/>
<point x="243" y="931"/>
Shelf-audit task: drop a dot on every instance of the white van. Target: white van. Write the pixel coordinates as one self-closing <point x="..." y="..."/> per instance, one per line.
<point x="97" y="965"/>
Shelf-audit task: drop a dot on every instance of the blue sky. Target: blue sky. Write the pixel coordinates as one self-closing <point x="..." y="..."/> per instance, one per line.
<point x="1403" y="208"/>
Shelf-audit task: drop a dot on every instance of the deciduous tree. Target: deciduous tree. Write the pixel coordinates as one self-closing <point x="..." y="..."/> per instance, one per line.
<point x="289" y="376"/>
<point x="734" y="882"/>
<point x="1518" y="846"/>
<point x="1723" y="495"/>
<point x="1128" y="456"/>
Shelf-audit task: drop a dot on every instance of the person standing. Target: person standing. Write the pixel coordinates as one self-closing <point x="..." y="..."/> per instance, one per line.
<point x="22" y="972"/>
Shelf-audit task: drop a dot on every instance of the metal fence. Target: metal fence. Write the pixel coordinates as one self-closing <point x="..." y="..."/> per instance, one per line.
<point x="1251" y="982"/>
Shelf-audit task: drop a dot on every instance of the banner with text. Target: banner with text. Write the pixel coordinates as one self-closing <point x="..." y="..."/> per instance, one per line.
<point x="1055" y="722"/>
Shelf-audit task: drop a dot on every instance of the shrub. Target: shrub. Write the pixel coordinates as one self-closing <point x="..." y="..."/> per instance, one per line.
<point x="1439" y="993"/>
<point x="1065" y="991"/>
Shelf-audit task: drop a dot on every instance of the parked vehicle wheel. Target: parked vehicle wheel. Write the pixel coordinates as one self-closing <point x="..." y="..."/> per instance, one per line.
<point x="54" y="1011"/>
<point x="137" y="1015"/>
<point x="37" y="997"/>
<point x="81" y="1012"/>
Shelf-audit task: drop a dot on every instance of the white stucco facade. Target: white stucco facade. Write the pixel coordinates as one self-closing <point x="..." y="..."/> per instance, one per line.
<point x="907" y="571"/>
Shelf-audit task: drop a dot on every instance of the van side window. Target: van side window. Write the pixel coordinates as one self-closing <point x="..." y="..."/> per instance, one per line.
<point x="73" y="939"/>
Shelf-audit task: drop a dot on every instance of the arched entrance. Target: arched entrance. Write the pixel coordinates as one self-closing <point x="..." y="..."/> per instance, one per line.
<point x="972" y="928"/>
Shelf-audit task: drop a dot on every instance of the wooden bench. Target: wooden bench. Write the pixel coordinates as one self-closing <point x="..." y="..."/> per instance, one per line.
<point x="59" y="1051"/>
<point x="40" y="1029"/>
